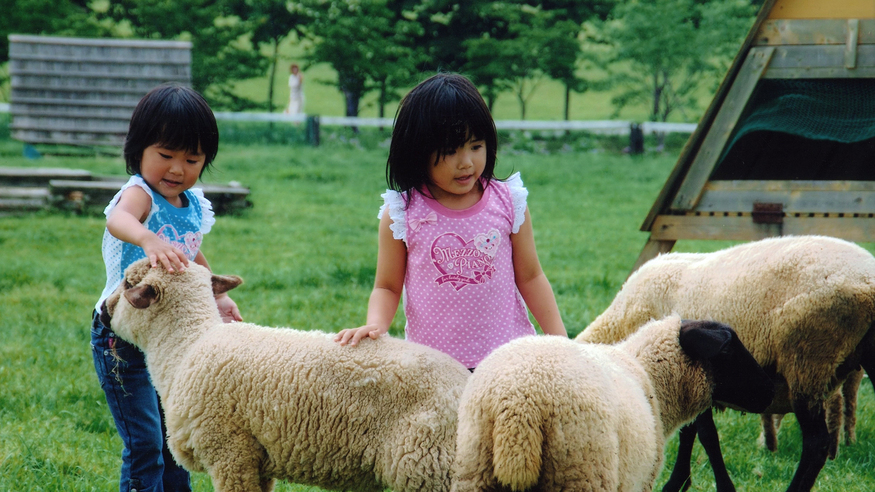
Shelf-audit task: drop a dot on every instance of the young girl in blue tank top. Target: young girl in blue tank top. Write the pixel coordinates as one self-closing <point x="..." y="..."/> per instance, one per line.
<point x="157" y="214"/>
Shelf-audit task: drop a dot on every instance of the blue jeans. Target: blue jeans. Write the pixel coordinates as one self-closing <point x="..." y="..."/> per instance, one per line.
<point x="147" y="465"/>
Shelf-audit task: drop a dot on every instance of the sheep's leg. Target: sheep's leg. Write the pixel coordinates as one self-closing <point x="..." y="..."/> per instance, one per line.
<point x="769" y="436"/>
<point x="849" y="391"/>
<point x="235" y="466"/>
<point x="834" y="422"/>
<point x="815" y="444"/>
<point x="711" y="442"/>
<point x="680" y="478"/>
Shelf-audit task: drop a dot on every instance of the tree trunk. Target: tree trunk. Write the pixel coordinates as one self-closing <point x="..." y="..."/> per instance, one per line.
<point x="383" y="98"/>
<point x="522" y="100"/>
<point x="567" y="102"/>
<point x="657" y="95"/>
<point x="351" y="97"/>
<point x="352" y="102"/>
<point x="276" y="49"/>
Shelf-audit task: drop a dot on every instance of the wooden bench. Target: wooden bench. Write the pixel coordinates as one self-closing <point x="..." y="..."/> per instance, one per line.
<point x="38" y="176"/>
<point x="21" y="198"/>
<point x="93" y="196"/>
<point x="25" y="189"/>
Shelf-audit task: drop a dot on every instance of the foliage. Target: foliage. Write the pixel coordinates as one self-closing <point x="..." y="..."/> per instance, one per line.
<point x="38" y="17"/>
<point x="671" y="45"/>
<point x="221" y="48"/>
<point x="508" y="46"/>
<point x="368" y="44"/>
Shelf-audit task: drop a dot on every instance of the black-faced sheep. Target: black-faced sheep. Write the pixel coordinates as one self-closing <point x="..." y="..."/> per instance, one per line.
<point x="802" y="305"/>
<point x="248" y="404"/>
<point x="548" y="413"/>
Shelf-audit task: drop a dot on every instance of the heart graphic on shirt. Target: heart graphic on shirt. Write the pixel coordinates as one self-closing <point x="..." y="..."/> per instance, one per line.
<point x="488" y="243"/>
<point x="189" y="243"/>
<point x="462" y="262"/>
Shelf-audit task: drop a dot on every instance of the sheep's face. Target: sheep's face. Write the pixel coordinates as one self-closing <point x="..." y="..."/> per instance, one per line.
<point x="141" y="297"/>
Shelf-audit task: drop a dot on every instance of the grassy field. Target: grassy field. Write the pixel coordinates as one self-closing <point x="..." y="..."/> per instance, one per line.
<point x="307" y="252"/>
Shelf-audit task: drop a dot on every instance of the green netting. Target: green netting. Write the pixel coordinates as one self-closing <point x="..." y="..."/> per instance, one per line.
<point x="841" y="110"/>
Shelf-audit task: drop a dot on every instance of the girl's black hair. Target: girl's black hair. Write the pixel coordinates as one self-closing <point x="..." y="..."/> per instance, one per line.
<point x="176" y="117"/>
<point x="438" y="115"/>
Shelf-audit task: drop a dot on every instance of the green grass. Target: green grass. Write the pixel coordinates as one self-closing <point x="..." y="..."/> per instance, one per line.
<point x="307" y="251"/>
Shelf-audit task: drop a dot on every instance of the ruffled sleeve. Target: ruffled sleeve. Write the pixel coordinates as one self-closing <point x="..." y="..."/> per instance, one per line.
<point x="208" y="217"/>
<point x="135" y="180"/>
<point x="518" y="195"/>
<point x="395" y="201"/>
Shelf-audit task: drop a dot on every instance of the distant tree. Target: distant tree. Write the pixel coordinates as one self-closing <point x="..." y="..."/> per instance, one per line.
<point x="666" y="48"/>
<point x="564" y="49"/>
<point x="46" y="17"/>
<point x="368" y="44"/>
<point x="510" y="45"/>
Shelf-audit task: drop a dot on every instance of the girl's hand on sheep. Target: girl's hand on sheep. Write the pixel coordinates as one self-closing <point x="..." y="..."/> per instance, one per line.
<point x="353" y="335"/>
<point x="171" y="257"/>
<point x="228" y="309"/>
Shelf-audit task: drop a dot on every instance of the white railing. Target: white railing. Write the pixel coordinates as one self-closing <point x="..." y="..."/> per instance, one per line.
<point x="599" y="126"/>
<point x="609" y="127"/>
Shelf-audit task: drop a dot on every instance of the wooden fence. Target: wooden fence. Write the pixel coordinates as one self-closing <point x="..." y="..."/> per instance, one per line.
<point x="79" y="91"/>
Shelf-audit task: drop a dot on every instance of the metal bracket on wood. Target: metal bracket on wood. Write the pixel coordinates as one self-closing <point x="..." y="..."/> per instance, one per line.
<point x="768" y="213"/>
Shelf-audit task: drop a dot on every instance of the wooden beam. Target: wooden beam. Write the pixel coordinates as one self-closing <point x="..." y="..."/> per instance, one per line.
<point x="822" y="9"/>
<point x="804" y="197"/>
<point x="742" y="228"/>
<point x="797" y="32"/>
<point x="703" y="164"/>
<point x="793" y="62"/>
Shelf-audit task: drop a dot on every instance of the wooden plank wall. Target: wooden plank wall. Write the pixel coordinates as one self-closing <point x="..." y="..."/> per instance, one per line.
<point x="78" y="91"/>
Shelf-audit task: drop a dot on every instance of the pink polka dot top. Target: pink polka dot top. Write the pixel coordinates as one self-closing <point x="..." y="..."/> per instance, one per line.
<point x="460" y="296"/>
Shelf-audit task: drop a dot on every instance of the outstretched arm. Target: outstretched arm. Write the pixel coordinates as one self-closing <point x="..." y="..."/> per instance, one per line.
<point x="126" y="223"/>
<point x="388" y="284"/>
<point x="532" y="282"/>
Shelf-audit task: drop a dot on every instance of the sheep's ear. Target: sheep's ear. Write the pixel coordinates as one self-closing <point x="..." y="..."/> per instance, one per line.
<point x="703" y="340"/>
<point x="224" y="283"/>
<point x="141" y="296"/>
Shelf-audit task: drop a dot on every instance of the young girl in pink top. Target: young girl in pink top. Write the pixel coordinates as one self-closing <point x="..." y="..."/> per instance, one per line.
<point x="453" y="239"/>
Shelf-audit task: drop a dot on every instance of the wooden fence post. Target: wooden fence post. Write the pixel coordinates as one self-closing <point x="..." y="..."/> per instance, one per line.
<point x="313" y="130"/>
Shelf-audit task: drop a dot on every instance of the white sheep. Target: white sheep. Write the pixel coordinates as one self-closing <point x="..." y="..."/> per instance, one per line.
<point x="248" y="404"/>
<point x="548" y="413"/>
<point x="802" y="305"/>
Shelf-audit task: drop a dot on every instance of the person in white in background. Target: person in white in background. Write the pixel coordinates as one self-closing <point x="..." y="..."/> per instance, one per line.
<point x="296" y="90"/>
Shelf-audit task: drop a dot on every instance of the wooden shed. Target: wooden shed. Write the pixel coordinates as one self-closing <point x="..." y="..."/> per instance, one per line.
<point x="78" y="91"/>
<point x="787" y="146"/>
